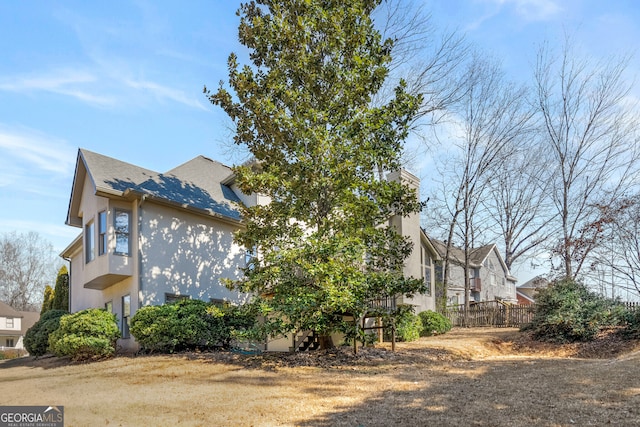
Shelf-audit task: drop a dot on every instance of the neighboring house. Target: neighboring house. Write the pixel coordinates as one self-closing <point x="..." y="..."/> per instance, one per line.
<point x="13" y="325"/>
<point x="149" y="238"/>
<point x="489" y="276"/>
<point x="527" y="291"/>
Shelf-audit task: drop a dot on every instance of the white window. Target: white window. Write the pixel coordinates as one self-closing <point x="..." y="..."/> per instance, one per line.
<point x="102" y="233"/>
<point x="10" y="325"/>
<point x="90" y="241"/>
<point x="122" y="229"/>
<point x="425" y="261"/>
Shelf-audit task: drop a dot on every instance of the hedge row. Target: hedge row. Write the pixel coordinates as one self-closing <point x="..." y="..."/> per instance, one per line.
<point x="188" y="325"/>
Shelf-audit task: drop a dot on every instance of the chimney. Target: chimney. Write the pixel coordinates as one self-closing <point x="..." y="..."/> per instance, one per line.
<point x="409" y="226"/>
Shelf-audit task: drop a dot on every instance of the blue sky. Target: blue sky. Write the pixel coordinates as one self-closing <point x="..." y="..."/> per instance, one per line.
<point x="125" y="79"/>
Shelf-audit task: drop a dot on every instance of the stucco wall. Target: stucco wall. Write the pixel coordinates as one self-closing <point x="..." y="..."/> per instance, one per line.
<point x="186" y="254"/>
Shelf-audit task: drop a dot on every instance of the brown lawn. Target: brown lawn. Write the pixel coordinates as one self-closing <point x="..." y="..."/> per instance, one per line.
<point x="484" y="377"/>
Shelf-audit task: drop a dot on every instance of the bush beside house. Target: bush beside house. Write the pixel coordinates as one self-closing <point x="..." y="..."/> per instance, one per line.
<point x="87" y="334"/>
<point x="433" y="323"/>
<point x="36" y="339"/>
<point x="188" y="325"/>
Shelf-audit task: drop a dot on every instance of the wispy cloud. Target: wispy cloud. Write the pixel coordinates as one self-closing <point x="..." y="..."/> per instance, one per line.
<point x="528" y="10"/>
<point x="536" y="10"/>
<point x="164" y="92"/>
<point x="27" y="150"/>
<point x="68" y="82"/>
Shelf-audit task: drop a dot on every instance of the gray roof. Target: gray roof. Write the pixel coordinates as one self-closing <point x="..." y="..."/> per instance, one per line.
<point x="29" y="318"/>
<point x="476" y="256"/>
<point x="195" y="184"/>
<point x="535" y="283"/>
<point x="7" y="311"/>
<point x="456" y="255"/>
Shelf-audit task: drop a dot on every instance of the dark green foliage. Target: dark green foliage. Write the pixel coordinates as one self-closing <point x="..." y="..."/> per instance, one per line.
<point x="87" y="334"/>
<point x="433" y="323"/>
<point x="61" y="291"/>
<point x="187" y="325"/>
<point x="567" y="311"/>
<point x="36" y="340"/>
<point x="408" y="326"/>
<point x="632" y="320"/>
<point x="47" y="301"/>
<point x="303" y="109"/>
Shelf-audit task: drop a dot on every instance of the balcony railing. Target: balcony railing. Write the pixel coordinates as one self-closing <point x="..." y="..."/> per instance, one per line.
<point x="388" y="303"/>
<point x="475" y="284"/>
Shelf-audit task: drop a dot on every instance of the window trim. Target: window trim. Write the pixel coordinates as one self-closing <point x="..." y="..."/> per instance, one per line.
<point x="10" y="326"/>
<point x="89" y="241"/>
<point x="102" y="233"/>
<point x="426" y="265"/>
<point x="118" y="233"/>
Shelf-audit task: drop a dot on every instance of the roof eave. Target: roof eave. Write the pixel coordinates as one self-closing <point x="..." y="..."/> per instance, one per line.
<point x="133" y="194"/>
<point x="72" y="248"/>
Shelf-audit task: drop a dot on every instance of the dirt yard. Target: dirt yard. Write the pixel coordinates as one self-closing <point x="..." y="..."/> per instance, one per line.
<point x="483" y="377"/>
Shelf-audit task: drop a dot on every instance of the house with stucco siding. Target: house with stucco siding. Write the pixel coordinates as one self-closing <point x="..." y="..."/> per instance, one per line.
<point x="147" y="237"/>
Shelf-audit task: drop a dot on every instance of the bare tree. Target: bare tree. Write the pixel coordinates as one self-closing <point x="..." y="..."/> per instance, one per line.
<point x="591" y="134"/>
<point x="428" y="59"/>
<point x="615" y="261"/>
<point x="493" y="116"/>
<point x="27" y="264"/>
<point x="518" y="203"/>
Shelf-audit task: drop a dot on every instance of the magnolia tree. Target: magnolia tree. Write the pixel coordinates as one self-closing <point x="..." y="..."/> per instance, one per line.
<point x="303" y="109"/>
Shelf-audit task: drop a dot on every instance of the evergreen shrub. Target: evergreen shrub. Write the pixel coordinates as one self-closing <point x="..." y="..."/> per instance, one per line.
<point x="567" y="311"/>
<point x="188" y="325"/>
<point x="433" y="323"/>
<point x="36" y="339"/>
<point x="87" y="334"/>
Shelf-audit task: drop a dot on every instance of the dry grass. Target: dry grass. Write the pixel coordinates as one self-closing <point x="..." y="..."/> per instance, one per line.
<point x="484" y="377"/>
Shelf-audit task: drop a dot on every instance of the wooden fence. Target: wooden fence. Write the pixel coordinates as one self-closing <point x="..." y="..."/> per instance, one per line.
<point x="499" y="315"/>
<point x="490" y="313"/>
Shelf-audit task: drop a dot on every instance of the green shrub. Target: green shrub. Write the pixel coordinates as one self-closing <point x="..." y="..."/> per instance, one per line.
<point x="408" y="327"/>
<point x="433" y="323"/>
<point x="632" y="320"/>
<point x="567" y="311"/>
<point x="187" y="325"/>
<point x="36" y="339"/>
<point x="87" y="334"/>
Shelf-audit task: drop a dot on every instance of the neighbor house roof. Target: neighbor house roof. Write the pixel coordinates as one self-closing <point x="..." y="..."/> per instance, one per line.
<point x="476" y="255"/>
<point x="7" y="311"/>
<point x="456" y="255"/>
<point x="535" y="283"/>
<point x="29" y="318"/>
<point x="195" y="185"/>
